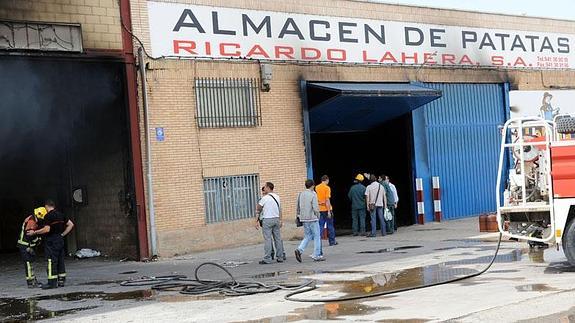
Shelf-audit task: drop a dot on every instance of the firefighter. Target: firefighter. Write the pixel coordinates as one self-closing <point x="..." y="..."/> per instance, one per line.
<point x="26" y="244"/>
<point x="56" y="227"/>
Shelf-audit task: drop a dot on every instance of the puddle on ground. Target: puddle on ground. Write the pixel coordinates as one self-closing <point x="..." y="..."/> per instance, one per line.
<point x="535" y="288"/>
<point x="101" y="282"/>
<point x="12" y="309"/>
<point x="129" y="272"/>
<point x="22" y="310"/>
<point x="327" y="311"/>
<point x="305" y="273"/>
<point x="136" y="295"/>
<point x="391" y="249"/>
<point x="559" y="268"/>
<point x="515" y="255"/>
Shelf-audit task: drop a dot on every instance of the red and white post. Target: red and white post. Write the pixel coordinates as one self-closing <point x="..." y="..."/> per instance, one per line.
<point x="436" y="199"/>
<point x="419" y="197"/>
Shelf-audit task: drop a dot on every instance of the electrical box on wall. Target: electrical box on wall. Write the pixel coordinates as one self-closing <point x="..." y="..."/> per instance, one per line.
<point x="266" y="76"/>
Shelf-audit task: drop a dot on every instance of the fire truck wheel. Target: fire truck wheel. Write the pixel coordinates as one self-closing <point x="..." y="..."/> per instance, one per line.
<point x="565" y="125"/>
<point x="569" y="242"/>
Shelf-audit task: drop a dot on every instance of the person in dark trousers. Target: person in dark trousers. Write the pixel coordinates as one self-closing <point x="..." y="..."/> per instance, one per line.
<point x="356" y="195"/>
<point x="56" y="227"/>
<point x="26" y="245"/>
<point x="325" y="209"/>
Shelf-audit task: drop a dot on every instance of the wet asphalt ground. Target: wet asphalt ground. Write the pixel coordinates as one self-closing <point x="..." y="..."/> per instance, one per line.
<point x="532" y="285"/>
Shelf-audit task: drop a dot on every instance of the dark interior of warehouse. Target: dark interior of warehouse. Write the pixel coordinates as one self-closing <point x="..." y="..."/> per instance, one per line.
<point x="64" y="136"/>
<point x="386" y="149"/>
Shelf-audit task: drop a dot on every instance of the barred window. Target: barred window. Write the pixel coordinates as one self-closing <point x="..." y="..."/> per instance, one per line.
<point x="227" y="102"/>
<point x="230" y="198"/>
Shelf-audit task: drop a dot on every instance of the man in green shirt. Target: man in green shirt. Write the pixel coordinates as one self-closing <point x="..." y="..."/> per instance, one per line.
<point x="356" y="195"/>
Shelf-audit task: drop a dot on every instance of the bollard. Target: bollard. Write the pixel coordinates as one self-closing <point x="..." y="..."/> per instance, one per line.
<point x="436" y="200"/>
<point x="420" y="204"/>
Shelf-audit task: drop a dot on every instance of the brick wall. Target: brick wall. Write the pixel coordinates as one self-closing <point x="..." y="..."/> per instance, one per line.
<point x="100" y="19"/>
<point x="276" y="149"/>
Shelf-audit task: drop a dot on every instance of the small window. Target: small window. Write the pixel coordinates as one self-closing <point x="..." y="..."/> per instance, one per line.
<point x="227" y="102"/>
<point x="230" y="198"/>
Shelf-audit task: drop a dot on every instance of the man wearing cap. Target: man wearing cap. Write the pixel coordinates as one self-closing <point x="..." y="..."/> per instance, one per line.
<point x="356" y="195"/>
<point x="26" y="244"/>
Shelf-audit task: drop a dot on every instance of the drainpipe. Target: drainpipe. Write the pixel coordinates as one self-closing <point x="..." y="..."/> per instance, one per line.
<point x="151" y="210"/>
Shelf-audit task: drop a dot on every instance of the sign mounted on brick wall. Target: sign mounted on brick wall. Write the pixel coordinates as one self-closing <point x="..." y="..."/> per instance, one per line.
<point x="191" y="31"/>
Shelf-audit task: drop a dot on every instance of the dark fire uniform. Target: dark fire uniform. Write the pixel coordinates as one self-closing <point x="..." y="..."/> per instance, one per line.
<point x="54" y="247"/>
<point x="26" y="245"/>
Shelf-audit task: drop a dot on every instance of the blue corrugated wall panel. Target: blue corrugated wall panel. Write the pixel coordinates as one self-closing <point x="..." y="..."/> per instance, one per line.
<point x="462" y="146"/>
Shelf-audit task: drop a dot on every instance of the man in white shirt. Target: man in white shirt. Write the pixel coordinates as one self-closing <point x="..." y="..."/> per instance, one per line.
<point x="268" y="210"/>
<point x="376" y="202"/>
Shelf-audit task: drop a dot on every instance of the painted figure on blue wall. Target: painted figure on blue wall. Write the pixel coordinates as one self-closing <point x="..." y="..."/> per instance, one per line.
<point x="547" y="110"/>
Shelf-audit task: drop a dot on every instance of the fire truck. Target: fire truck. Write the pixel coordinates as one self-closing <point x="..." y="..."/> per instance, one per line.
<point x="536" y="182"/>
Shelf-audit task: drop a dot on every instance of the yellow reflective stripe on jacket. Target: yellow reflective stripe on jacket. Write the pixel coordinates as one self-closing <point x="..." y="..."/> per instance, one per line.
<point x="22" y="241"/>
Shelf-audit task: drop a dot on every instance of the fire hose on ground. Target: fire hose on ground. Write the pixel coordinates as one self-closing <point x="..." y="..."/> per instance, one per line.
<point x="233" y="287"/>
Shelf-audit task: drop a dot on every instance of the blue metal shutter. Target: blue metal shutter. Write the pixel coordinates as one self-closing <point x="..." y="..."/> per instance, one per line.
<point x="462" y="139"/>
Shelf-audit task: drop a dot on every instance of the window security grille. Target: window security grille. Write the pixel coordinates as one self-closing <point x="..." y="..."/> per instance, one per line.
<point x="227" y="102"/>
<point x="230" y="198"/>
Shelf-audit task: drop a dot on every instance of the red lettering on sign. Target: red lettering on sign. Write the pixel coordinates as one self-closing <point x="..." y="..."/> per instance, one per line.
<point x="520" y="61"/>
<point x="224" y="52"/>
<point x="315" y="52"/>
<point x="388" y="56"/>
<point x="257" y="50"/>
<point x="285" y="51"/>
<point x="428" y="58"/>
<point x="336" y="54"/>
<point x="368" y="60"/>
<point x="185" y="45"/>
<point x="404" y="58"/>
<point x="448" y="58"/>
<point x="465" y="60"/>
<point x="497" y="60"/>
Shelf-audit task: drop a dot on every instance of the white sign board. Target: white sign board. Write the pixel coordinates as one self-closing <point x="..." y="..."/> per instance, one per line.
<point x="544" y="104"/>
<point x="182" y="30"/>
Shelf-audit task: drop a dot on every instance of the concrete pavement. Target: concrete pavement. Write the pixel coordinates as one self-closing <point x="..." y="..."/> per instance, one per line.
<point x="523" y="284"/>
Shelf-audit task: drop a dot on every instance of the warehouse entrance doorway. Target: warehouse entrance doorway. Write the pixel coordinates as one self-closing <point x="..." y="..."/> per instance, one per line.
<point x="64" y="134"/>
<point x="357" y="128"/>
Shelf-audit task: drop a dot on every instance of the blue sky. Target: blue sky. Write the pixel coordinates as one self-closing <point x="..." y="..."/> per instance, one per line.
<point x="559" y="9"/>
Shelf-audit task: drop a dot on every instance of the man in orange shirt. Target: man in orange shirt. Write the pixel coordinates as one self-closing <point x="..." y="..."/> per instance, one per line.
<point x="325" y="210"/>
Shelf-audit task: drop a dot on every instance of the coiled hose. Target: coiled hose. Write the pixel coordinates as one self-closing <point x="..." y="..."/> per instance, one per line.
<point x="232" y="287"/>
<point x="198" y="286"/>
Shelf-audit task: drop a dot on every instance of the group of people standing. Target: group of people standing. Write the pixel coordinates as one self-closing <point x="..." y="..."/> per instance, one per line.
<point x="379" y="198"/>
<point x="315" y="212"/>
